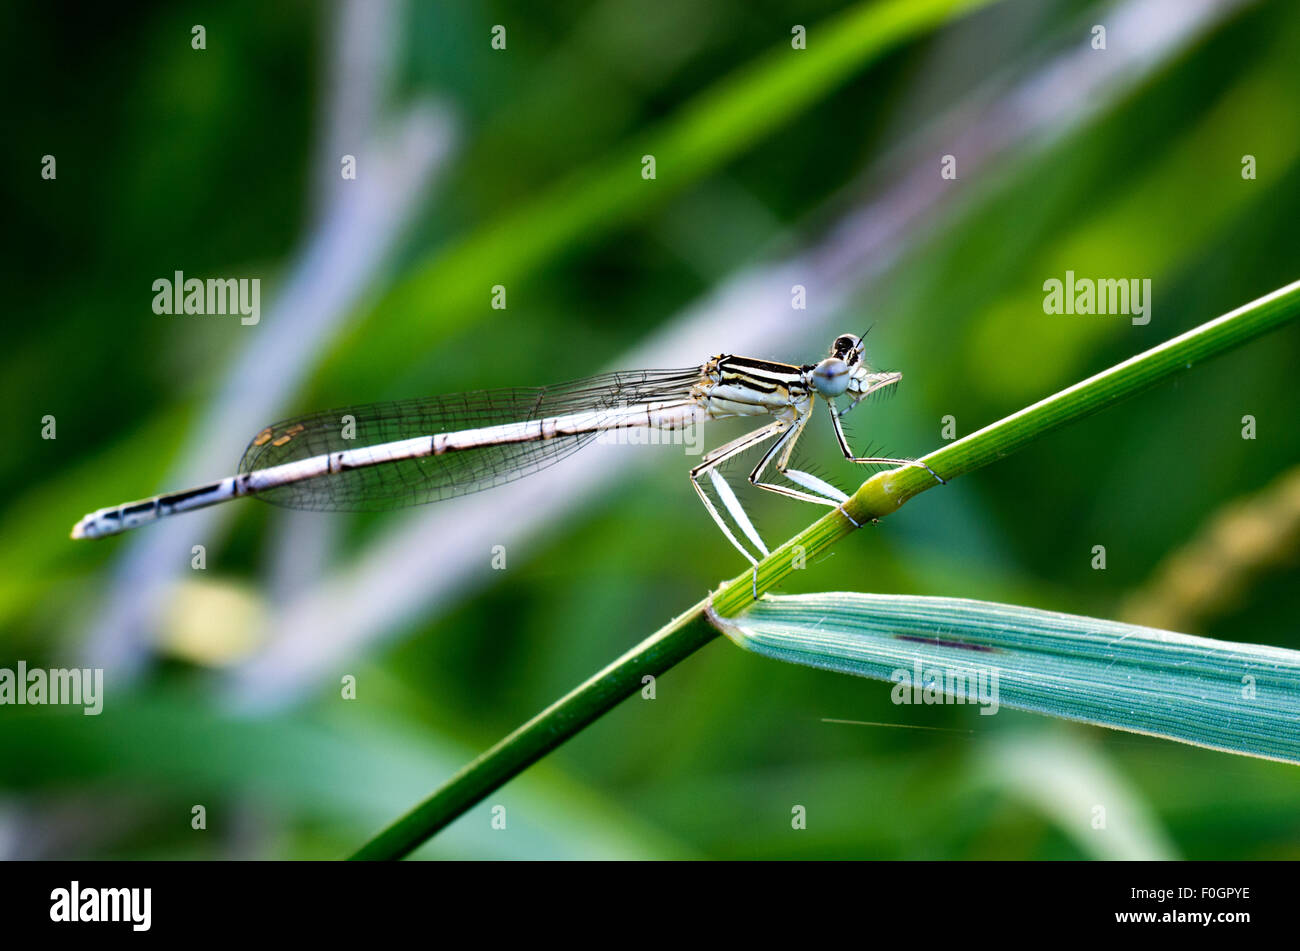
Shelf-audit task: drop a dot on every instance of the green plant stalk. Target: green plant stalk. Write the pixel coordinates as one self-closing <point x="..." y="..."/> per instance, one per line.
<point x="585" y="704"/>
<point x="880" y="495"/>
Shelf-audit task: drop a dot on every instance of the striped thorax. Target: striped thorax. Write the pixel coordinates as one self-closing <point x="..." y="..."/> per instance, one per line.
<point x="743" y="386"/>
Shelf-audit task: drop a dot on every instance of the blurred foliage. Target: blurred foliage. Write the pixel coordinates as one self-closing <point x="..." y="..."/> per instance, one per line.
<point x="169" y="158"/>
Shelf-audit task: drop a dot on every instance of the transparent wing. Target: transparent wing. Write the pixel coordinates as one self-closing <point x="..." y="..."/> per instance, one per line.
<point x="429" y="479"/>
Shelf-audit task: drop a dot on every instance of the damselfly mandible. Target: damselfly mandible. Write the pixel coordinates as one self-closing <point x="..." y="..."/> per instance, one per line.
<point x="390" y="455"/>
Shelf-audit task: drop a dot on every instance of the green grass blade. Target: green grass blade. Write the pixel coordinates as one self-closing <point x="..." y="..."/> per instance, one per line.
<point x="877" y="497"/>
<point x="1239" y="698"/>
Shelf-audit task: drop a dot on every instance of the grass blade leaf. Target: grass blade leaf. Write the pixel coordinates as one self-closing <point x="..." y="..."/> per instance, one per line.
<point x="1239" y="698"/>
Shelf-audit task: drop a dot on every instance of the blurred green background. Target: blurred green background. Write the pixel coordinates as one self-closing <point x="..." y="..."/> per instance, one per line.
<point x="522" y="167"/>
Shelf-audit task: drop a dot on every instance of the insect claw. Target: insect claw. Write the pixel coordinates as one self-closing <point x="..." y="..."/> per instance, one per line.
<point x="932" y="472"/>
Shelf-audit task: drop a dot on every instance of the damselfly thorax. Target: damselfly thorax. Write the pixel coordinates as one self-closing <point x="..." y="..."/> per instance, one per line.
<point x="389" y="455"/>
<point x="741" y="386"/>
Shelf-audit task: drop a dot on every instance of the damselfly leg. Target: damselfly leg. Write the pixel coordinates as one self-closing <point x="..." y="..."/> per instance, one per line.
<point x="828" y="494"/>
<point x="780" y="453"/>
<point x="709" y="464"/>
<point x="837" y="415"/>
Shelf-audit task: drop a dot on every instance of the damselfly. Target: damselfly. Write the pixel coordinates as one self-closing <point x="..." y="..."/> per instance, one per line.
<point x="390" y="455"/>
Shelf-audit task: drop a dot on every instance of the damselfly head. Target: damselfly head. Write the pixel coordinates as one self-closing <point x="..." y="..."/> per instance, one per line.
<point x="847" y="348"/>
<point x="844" y="370"/>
